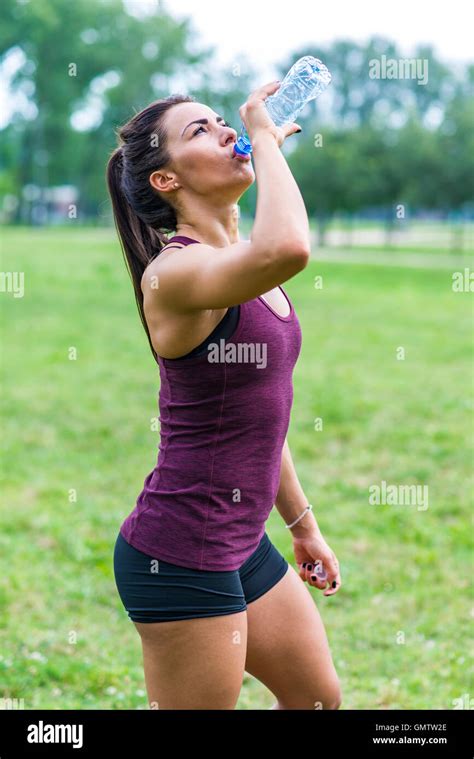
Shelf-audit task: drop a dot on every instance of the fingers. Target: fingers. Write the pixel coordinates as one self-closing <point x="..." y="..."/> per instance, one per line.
<point x="291" y="129"/>
<point x="263" y="92"/>
<point x="334" y="585"/>
<point x="312" y="571"/>
<point x="301" y="572"/>
<point x="286" y="130"/>
<point x="334" y="576"/>
<point x="270" y="88"/>
<point x="304" y="571"/>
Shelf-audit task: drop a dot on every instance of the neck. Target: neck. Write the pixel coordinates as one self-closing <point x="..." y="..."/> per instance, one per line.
<point x="216" y="226"/>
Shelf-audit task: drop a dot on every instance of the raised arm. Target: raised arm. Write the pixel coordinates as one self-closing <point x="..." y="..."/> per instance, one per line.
<point x="203" y="277"/>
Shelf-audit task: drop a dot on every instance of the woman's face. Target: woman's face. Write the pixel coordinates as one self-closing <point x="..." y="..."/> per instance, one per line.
<point x="202" y="153"/>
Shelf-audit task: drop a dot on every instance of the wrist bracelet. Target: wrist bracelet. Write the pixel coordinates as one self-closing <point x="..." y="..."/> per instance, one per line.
<point x="308" y="508"/>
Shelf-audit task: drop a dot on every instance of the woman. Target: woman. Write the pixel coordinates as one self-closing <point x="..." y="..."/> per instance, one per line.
<point x="209" y="594"/>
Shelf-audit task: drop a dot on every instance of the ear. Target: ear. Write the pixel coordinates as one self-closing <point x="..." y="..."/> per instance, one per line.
<point x="163" y="181"/>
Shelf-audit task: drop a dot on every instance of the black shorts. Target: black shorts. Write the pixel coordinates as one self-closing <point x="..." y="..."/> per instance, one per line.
<point x="153" y="590"/>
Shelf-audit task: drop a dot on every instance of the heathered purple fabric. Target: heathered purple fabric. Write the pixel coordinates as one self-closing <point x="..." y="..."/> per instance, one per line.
<point x="222" y="430"/>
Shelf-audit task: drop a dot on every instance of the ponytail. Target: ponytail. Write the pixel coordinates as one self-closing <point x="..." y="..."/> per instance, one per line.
<point x="141" y="216"/>
<point x="139" y="242"/>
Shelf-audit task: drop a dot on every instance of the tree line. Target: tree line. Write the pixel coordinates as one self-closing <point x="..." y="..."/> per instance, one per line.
<point x="387" y="142"/>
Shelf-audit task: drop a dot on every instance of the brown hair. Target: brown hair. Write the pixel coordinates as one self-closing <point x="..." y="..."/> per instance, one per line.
<point x="142" y="218"/>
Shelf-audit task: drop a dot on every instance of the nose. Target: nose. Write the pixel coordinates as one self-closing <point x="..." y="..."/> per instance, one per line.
<point x="228" y="135"/>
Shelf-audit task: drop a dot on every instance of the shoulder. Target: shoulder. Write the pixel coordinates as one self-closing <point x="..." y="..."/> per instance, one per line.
<point x="151" y="273"/>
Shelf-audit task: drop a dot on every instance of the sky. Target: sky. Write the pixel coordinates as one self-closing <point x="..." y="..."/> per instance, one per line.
<point x="266" y="30"/>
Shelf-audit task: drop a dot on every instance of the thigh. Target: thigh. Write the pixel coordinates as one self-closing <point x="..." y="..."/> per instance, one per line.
<point x="192" y="625"/>
<point x="287" y="647"/>
<point x="194" y="663"/>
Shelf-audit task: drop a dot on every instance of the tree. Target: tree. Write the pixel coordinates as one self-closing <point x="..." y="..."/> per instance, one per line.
<point x="79" y="54"/>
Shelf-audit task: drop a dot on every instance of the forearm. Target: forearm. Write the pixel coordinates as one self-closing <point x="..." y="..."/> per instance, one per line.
<point x="291" y="500"/>
<point x="280" y="214"/>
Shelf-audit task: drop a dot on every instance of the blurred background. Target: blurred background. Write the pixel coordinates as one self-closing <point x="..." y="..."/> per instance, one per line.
<point x="384" y="384"/>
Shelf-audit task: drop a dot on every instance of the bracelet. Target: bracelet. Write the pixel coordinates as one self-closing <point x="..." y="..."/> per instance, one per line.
<point x="308" y="508"/>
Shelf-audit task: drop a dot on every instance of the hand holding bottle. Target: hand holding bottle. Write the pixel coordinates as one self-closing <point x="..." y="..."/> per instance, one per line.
<point x="257" y="120"/>
<point x="305" y="81"/>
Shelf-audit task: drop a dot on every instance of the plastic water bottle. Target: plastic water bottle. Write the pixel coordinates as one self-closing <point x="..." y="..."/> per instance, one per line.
<point x="319" y="570"/>
<point x="306" y="79"/>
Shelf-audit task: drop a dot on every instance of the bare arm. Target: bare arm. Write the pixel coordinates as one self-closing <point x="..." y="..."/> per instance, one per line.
<point x="291" y="500"/>
<point x="308" y="541"/>
<point x="281" y="218"/>
<point x="280" y="212"/>
<point x="202" y="277"/>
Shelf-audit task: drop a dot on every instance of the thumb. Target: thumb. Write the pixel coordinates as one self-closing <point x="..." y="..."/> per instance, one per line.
<point x="291" y="129"/>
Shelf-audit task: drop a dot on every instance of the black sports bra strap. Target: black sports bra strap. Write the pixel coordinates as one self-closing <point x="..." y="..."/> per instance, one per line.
<point x="223" y="330"/>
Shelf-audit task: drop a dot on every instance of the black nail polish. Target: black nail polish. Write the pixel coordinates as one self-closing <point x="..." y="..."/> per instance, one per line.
<point x="313" y="577"/>
<point x="304" y="565"/>
<point x="298" y="130"/>
<point x="334" y="583"/>
<point x="309" y="567"/>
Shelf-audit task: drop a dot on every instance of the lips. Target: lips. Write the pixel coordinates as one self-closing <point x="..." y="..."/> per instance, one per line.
<point x="243" y="158"/>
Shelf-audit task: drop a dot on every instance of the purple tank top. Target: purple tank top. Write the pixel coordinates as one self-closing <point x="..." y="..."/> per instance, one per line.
<point x="223" y="417"/>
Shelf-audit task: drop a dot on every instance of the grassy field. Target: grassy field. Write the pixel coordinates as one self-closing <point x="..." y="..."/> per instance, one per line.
<point x="77" y="447"/>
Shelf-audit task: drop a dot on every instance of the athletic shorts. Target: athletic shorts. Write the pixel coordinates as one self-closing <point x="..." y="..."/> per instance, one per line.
<point x="153" y="590"/>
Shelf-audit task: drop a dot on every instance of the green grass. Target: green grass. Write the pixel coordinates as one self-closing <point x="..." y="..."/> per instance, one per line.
<point x="399" y="626"/>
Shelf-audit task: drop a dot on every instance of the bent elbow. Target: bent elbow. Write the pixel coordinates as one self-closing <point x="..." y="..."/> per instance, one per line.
<point x="297" y="245"/>
<point x="299" y="255"/>
<point x="304" y="255"/>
